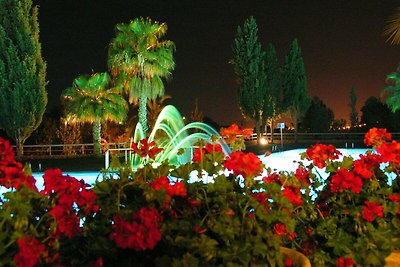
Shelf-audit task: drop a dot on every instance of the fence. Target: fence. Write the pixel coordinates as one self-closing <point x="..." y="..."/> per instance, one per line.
<point x="65" y="150"/>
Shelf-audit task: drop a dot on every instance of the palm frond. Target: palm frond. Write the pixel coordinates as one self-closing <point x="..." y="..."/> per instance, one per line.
<point x="392" y="29"/>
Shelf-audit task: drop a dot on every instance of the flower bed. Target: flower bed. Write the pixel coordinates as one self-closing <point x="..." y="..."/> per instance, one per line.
<point x="148" y="218"/>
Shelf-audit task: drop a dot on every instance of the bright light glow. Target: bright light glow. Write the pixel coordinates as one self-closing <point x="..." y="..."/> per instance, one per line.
<point x="263" y="141"/>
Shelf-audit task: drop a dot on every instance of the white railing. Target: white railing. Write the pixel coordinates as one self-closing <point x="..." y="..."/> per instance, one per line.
<point x="126" y="151"/>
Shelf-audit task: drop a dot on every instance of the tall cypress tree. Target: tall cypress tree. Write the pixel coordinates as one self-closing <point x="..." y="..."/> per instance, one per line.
<point x="353" y="109"/>
<point x="249" y="66"/>
<point x="272" y="98"/>
<point x="295" y="93"/>
<point x="23" y="97"/>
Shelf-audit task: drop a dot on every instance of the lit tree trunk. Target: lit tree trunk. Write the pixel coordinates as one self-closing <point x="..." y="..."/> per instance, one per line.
<point x="97" y="137"/>
<point x="19" y="146"/>
<point x="143" y="113"/>
<point x="271" y="128"/>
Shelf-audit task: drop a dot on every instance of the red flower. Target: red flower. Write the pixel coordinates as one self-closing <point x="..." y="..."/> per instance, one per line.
<point x="280" y="229"/>
<point x="245" y="164"/>
<point x="30" y="252"/>
<point x="288" y="262"/>
<point x="370" y="209"/>
<point x="176" y="189"/>
<point x="143" y="233"/>
<point x="6" y="152"/>
<point x="390" y="152"/>
<point x="376" y="137"/>
<point x="199" y="153"/>
<point x="396" y="198"/>
<point x="233" y="131"/>
<point x="293" y="195"/>
<point x="344" y="179"/>
<point x="67" y="221"/>
<point x="364" y="165"/>
<point x="144" y="149"/>
<point x="345" y="262"/>
<point x="272" y="178"/>
<point x="303" y="175"/>
<point x="68" y="193"/>
<point x="321" y="153"/>
<point x="260" y="197"/>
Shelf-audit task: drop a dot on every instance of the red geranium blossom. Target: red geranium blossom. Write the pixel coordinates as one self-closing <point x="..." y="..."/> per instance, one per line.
<point x="272" y="178"/>
<point x="144" y="148"/>
<point x="303" y="175"/>
<point x="370" y="209"/>
<point x="376" y="137"/>
<point x="396" y="198"/>
<point x="344" y="179"/>
<point x="199" y="153"/>
<point x="293" y="195"/>
<point x="30" y="252"/>
<point x="321" y="153"/>
<point x="176" y="189"/>
<point x="364" y="165"/>
<point x="141" y="234"/>
<point x="233" y="131"/>
<point x="345" y="262"/>
<point x="390" y="152"/>
<point x="245" y="164"/>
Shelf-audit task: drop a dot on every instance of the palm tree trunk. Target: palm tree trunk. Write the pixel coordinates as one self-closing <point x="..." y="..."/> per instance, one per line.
<point x="97" y="137"/>
<point x="143" y="113"/>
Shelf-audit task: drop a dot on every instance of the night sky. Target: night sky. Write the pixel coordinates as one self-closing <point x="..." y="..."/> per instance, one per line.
<point x="341" y="41"/>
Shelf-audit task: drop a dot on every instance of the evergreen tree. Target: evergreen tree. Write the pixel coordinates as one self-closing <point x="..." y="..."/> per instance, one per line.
<point x="352" y="104"/>
<point x="249" y="66"/>
<point x="295" y="93"/>
<point x="23" y="96"/>
<point x="272" y="98"/>
<point x="318" y="118"/>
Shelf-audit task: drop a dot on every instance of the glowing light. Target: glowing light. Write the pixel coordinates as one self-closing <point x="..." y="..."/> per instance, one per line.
<point x="263" y="141"/>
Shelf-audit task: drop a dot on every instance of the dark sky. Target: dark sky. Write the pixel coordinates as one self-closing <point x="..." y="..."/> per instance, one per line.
<point x="341" y="41"/>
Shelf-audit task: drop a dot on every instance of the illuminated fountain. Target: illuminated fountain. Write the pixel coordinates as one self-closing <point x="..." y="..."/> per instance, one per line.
<point x="177" y="139"/>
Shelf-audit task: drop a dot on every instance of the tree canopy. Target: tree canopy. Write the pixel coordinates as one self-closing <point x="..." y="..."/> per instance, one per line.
<point x="23" y="96"/>
<point x="138" y="59"/>
<point x="92" y="99"/>
<point x="249" y="66"/>
<point x="295" y="92"/>
<point x="318" y="118"/>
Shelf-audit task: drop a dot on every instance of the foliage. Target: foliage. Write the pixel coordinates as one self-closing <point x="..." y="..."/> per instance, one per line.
<point x="91" y="99"/>
<point x="272" y="107"/>
<point x="318" y="118"/>
<point x="350" y="215"/>
<point x="249" y="66"/>
<point x="393" y="90"/>
<point x="392" y="29"/>
<point x="352" y="105"/>
<point x="23" y="97"/>
<point x="214" y="211"/>
<point x="138" y="59"/>
<point x="377" y="114"/>
<point x="295" y="92"/>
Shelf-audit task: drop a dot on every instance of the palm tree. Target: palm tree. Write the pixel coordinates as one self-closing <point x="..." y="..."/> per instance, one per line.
<point x="392" y="30"/>
<point x="138" y="59"/>
<point x="393" y="90"/>
<point x="90" y="99"/>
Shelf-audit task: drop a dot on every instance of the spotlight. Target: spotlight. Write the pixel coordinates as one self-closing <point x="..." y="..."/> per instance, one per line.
<point x="263" y="141"/>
